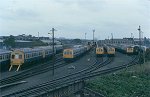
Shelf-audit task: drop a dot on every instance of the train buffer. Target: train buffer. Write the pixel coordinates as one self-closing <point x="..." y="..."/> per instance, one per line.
<point x="15" y="65"/>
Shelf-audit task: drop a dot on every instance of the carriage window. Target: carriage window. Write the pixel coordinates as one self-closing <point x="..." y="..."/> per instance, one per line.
<point x="3" y="57"/>
<point x="0" y="57"/>
<point x="20" y="56"/>
<point x="26" y="56"/>
<point x="40" y="53"/>
<point x="13" y="56"/>
<point x="32" y="55"/>
<point x="7" y="56"/>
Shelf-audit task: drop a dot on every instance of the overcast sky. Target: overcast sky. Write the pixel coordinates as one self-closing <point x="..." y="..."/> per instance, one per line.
<point x="74" y="18"/>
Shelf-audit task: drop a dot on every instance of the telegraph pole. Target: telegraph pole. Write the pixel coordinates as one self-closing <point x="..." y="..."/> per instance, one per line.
<point x="53" y="49"/>
<point x="38" y="35"/>
<point x="112" y="37"/>
<point x="85" y="36"/>
<point x="139" y="29"/>
<point x="131" y="35"/>
<point x="93" y="35"/>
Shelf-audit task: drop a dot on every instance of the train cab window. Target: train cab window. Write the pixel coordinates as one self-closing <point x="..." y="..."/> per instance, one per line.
<point x="16" y="56"/>
<point x="20" y="56"/>
<point x="67" y="53"/>
<point x="13" y="56"/>
<point x="70" y="53"/>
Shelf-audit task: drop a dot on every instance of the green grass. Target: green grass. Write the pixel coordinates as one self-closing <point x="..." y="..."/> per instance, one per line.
<point x="131" y="82"/>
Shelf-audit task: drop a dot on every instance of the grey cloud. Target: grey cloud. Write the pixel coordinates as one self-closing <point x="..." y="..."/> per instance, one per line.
<point x="75" y="17"/>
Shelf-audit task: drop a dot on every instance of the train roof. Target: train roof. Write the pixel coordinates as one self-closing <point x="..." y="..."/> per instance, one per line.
<point x="76" y="47"/>
<point x="2" y="51"/>
<point x="25" y="50"/>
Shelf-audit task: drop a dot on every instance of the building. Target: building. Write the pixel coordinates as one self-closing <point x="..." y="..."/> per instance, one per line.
<point x="117" y="41"/>
<point x="1" y="44"/>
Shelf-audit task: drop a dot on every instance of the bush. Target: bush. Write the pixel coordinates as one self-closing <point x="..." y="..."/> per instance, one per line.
<point x="134" y="82"/>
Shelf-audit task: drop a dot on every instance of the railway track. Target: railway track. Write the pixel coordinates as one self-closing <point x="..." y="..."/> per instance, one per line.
<point x="105" y="71"/>
<point x="81" y="75"/>
<point x="33" y="71"/>
<point x="89" y="75"/>
<point x="51" y="84"/>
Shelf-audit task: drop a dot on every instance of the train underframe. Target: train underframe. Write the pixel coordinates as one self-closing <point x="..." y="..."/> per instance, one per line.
<point x="4" y="65"/>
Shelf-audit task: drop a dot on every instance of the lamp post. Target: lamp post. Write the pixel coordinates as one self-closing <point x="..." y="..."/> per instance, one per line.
<point x="53" y="48"/>
<point x="112" y="38"/>
<point x="131" y="35"/>
<point x="38" y="35"/>
<point x="93" y="35"/>
<point x="139" y="29"/>
<point x="85" y="36"/>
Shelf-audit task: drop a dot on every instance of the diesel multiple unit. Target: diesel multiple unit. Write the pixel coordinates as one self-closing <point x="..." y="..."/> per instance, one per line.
<point x="75" y="52"/>
<point x="105" y="50"/>
<point x="28" y="55"/>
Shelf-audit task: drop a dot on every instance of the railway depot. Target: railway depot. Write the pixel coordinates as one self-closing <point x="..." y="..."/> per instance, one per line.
<point x="74" y="48"/>
<point x="73" y="65"/>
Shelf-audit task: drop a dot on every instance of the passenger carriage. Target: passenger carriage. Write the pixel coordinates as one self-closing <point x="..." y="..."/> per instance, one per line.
<point x="4" y="59"/>
<point x="32" y="55"/>
<point x="73" y="53"/>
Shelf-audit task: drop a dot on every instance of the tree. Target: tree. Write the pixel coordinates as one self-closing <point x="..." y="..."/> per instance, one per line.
<point x="38" y="43"/>
<point x="10" y="41"/>
<point x="76" y="40"/>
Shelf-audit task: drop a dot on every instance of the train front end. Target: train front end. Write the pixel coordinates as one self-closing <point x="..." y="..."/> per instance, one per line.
<point x="68" y="55"/>
<point x="17" y="58"/>
<point x="100" y="52"/>
<point x="110" y="51"/>
<point x="129" y="50"/>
